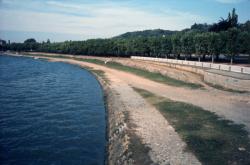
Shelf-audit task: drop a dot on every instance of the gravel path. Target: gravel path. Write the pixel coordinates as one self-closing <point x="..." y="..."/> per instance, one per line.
<point x="165" y="144"/>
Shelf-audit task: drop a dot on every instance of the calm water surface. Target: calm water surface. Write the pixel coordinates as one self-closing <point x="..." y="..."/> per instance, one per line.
<point x="50" y="113"/>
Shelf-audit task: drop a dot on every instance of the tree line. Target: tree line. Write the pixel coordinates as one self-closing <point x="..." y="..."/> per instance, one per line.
<point x="226" y="37"/>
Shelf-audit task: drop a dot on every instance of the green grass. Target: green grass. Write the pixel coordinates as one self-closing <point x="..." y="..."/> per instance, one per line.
<point x="139" y="151"/>
<point x="101" y="74"/>
<point x="215" y="141"/>
<point x="224" y="89"/>
<point x="158" y="77"/>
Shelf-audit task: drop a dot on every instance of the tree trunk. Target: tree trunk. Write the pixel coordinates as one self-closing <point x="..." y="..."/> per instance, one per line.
<point x="217" y="57"/>
<point x="178" y="56"/>
<point x="203" y="57"/>
<point x="212" y="58"/>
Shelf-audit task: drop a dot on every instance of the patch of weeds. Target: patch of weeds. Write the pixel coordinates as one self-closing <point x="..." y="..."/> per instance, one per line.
<point x="214" y="140"/>
<point x="44" y="59"/>
<point x="101" y="74"/>
<point x="95" y="61"/>
<point x="140" y="152"/>
<point x="86" y="67"/>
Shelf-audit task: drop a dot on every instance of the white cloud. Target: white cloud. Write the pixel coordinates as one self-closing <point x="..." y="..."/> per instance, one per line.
<point x="102" y="20"/>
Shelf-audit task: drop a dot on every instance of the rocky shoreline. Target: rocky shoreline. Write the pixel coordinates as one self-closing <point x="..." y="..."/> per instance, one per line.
<point x="122" y="142"/>
<point x="117" y="137"/>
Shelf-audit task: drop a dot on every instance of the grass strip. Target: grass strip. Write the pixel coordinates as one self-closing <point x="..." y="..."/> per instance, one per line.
<point x="101" y="74"/>
<point x="158" y="77"/>
<point x="214" y="140"/>
<point x="219" y="87"/>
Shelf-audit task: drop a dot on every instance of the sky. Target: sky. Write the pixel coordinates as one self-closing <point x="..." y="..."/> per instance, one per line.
<point x="60" y="20"/>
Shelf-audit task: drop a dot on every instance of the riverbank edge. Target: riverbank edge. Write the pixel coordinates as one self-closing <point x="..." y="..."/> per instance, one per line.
<point x="114" y="154"/>
<point x="120" y="135"/>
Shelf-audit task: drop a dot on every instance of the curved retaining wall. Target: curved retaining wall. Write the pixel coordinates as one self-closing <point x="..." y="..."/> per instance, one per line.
<point x="239" y="82"/>
<point x="204" y="65"/>
<point x="231" y="77"/>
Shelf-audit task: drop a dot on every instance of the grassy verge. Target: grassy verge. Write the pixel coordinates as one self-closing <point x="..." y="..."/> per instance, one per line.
<point x="225" y="89"/>
<point x="158" y="77"/>
<point x="139" y="151"/>
<point x="101" y="74"/>
<point x="215" y="141"/>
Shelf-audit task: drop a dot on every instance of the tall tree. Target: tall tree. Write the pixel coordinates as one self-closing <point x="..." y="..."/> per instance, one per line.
<point x="225" y="24"/>
<point x="187" y="45"/>
<point x="214" y="44"/>
<point x="232" y="43"/>
<point x="176" y="45"/>
<point x="244" y="43"/>
<point x="233" y="20"/>
<point x="166" y="46"/>
<point x="200" y="43"/>
<point x="30" y="44"/>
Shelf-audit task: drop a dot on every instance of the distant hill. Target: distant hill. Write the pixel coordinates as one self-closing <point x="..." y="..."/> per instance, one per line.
<point x="160" y="32"/>
<point x="146" y="33"/>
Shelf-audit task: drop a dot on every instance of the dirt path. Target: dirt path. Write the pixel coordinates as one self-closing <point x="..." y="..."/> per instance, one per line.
<point x="233" y="106"/>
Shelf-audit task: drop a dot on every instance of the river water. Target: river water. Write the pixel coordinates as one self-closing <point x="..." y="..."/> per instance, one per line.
<point x="50" y="113"/>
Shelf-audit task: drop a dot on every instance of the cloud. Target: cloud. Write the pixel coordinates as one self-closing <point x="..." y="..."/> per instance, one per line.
<point x="93" y="20"/>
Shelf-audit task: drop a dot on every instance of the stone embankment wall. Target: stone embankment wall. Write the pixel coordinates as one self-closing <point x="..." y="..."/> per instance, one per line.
<point x="231" y="77"/>
<point x="226" y="81"/>
<point x="117" y="133"/>
<point x="118" y="139"/>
